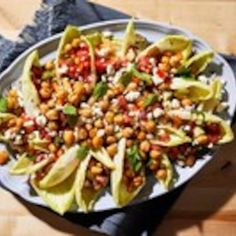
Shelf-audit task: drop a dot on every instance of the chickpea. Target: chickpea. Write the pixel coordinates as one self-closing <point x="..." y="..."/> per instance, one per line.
<point x="174" y="61"/>
<point x="75" y="43"/>
<point x="79" y="88"/>
<point x="137" y="181"/>
<point x="167" y="53"/>
<point x="109" y="117"/>
<point x="82" y="134"/>
<point x="88" y="126"/>
<point x="96" y="170"/>
<point x="97" y="142"/>
<point x="161" y="174"/>
<point x="4" y="157"/>
<point x="52" y="125"/>
<point x="109" y="129"/>
<point x="155" y="164"/>
<point x="186" y="102"/>
<point x="92" y="132"/>
<point x="98" y="124"/>
<point x="132" y="86"/>
<point x="165" y="60"/>
<point x="52" y="114"/>
<point x="141" y="135"/>
<point x="129" y="143"/>
<point x="150" y="126"/>
<point x="11" y="103"/>
<point x="104" y="104"/>
<point x="11" y="122"/>
<point x="51" y="103"/>
<point x="77" y="61"/>
<point x="164" y="67"/>
<point x="112" y="149"/>
<point x="12" y="93"/>
<point x="52" y="147"/>
<point x="86" y="112"/>
<point x="43" y="108"/>
<point x="68" y="137"/>
<point x="127" y="132"/>
<point x="49" y="65"/>
<point x="61" y="93"/>
<point x="129" y="173"/>
<point x="111" y="139"/>
<point x="74" y="98"/>
<point x="67" y="47"/>
<point x="110" y="94"/>
<point x="66" y="84"/>
<point x="155" y="154"/>
<point x="202" y="139"/>
<point x="45" y="92"/>
<point x="19" y="122"/>
<point x="190" y="160"/>
<point x="60" y="152"/>
<point x="145" y="146"/>
<point x="119" y="119"/>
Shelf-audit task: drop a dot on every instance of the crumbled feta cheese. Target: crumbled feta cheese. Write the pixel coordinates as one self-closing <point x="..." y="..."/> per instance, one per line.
<point x="187" y="128"/>
<point x="84" y="105"/>
<point x="28" y="123"/>
<point x="210" y="145"/>
<point x="132" y="96"/>
<point x="175" y="103"/>
<point x="63" y="69"/>
<point x="18" y="140"/>
<point x="203" y="79"/>
<point x="180" y="163"/>
<point x="166" y="104"/>
<point x="116" y="128"/>
<point x="114" y="101"/>
<point x="52" y="133"/>
<point x="41" y="120"/>
<point x="149" y="115"/>
<point x="156" y="78"/>
<point x="110" y="69"/>
<point x="152" y="60"/>
<point x="150" y="136"/>
<point x="100" y="132"/>
<point x="157" y="112"/>
<point x="161" y="132"/>
<point x="103" y="52"/>
<point x="189" y="108"/>
<point x="103" y="78"/>
<point x="97" y="111"/>
<point x="222" y="106"/>
<point x="130" y="55"/>
<point x="107" y="33"/>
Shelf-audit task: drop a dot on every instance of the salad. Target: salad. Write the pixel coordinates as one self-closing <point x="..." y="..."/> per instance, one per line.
<point x="107" y="112"/>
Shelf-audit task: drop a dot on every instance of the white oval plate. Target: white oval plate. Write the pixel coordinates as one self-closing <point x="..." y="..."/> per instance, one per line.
<point x="153" y="31"/>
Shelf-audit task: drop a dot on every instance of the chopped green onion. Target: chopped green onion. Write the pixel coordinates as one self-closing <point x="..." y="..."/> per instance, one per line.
<point x="125" y="78"/>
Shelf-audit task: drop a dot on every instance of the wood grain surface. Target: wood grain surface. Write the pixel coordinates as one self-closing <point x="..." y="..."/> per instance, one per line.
<point x="208" y="204"/>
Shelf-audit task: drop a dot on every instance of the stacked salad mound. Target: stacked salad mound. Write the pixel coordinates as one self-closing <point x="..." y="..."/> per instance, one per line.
<point x="109" y="112"/>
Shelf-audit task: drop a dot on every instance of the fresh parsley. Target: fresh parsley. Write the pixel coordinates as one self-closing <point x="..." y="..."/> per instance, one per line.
<point x="150" y="99"/>
<point x="82" y="152"/>
<point x="134" y="158"/>
<point x="31" y="157"/>
<point x="100" y="89"/>
<point x="3" y="104"/>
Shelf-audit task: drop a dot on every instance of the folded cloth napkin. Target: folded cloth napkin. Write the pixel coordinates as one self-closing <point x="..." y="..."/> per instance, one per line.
<point x="52" y="18"/>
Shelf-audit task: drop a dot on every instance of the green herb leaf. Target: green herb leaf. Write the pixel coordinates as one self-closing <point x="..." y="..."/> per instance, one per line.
<point x="82" y="152"/>
<point x="3" y="104"/>
<point x="125" y="78"/>
<point x="188" y="77"/>
<point x="152" y="98"/>
<point x="69" y="110"/>
<point x="183" y="71"/>
<point x="100" y="89"/>
<point x="134" y="158"/>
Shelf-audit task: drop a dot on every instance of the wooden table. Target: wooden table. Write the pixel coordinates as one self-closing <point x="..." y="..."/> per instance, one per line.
<point x="208" y="205"/>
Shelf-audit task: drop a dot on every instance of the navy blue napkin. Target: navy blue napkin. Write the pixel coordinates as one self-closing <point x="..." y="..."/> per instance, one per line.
<point x="51" y="18"/>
